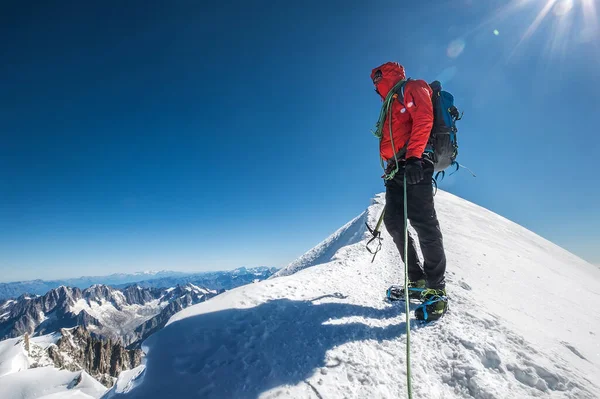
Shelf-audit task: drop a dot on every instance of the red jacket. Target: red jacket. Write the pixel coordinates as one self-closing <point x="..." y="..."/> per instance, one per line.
<point x="411" y="122"/>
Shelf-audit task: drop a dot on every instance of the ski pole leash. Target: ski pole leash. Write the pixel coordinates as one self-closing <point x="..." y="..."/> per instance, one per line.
<point x="406" y="299"/>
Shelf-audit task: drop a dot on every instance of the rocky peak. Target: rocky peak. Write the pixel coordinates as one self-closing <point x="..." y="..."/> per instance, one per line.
<point x="98" y="292"/>
<point x="85" y="319"/>
<point x="181" y="291"/>
<point x="61" y="296"/>
<point x="103" y="359"/>
<point x="136" y="295"/>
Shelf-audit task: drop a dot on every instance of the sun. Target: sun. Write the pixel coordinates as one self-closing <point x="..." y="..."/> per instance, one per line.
<point x="563" y="11"/>
<point x="571" y="21"/>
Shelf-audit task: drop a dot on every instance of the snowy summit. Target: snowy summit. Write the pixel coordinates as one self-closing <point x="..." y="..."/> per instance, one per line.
<point x="519" y="324"/>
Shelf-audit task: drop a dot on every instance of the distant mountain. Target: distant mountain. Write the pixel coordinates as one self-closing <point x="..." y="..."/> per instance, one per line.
<point x="219" y="280"/>
<point x="127" y="315"/>
<point x="75" y="333"/>
<point x="222" y="280"/>
<point x="40" y="287"/>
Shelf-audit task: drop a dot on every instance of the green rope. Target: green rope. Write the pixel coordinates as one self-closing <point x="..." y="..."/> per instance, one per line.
<point x="406" y="299"/>
<point x="386" y="111"/>
<point x="392" y="173"/>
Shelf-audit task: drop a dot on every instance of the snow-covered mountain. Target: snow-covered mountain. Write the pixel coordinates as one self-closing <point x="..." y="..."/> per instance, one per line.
<point x="219" y="280"/>
<point x="522" y="323"/>
<point x="127" y="315"/>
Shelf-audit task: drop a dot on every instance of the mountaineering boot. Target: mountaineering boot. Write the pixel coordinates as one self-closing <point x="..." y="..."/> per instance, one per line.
<point x="396" y="292"/>
<point x="434" y="306"/>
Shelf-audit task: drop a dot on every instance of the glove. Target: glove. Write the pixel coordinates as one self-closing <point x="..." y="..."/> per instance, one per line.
<point x="414" y="170"/>
<point x="391" y="166"/>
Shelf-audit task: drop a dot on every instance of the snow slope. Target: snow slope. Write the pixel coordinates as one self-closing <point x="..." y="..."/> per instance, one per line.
<point x="49" y="383"/>
<point x="522" y="324"/>
<point x="13" y="357"/>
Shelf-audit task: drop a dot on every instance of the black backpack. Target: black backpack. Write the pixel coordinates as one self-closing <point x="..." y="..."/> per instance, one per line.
<point x="442" y="147"/>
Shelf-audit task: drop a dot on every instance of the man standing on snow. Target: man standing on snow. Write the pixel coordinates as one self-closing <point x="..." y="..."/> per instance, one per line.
<point x="406" y="122"/>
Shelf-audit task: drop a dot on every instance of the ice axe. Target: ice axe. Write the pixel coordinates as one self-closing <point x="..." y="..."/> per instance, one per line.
<point x="376" y="232"/>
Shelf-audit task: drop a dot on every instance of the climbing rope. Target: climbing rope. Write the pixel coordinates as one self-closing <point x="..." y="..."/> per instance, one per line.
<point x="406" y="299"/>
<point x="386" y="112"/>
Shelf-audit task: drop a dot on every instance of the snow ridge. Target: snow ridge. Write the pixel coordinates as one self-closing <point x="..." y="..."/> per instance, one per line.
<point x="351" y="233"/>
<point x="325" y="331"/>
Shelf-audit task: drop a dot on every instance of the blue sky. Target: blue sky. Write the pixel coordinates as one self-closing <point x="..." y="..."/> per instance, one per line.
<point x="174" y="135"/>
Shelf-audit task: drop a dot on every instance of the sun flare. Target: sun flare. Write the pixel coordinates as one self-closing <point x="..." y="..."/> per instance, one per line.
<point x="571" y="21"/>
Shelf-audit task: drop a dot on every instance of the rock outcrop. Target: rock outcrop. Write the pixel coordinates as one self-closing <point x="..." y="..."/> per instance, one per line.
<point x="78" y="350"/>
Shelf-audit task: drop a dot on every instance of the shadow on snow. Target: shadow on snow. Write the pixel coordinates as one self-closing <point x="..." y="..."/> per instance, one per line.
<point x="241" y="353"/>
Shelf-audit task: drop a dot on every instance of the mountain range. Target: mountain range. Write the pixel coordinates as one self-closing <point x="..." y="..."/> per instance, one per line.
<point x="96" y="333"/>
<point x="127" y="315"/>
<point x="159" y="279"/>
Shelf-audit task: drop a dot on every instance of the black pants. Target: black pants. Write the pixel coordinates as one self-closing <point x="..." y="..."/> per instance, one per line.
<point x="422" y="216"/>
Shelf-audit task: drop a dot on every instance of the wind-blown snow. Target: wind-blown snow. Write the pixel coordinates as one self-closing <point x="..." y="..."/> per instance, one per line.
<point x="522" y="324"/>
